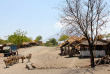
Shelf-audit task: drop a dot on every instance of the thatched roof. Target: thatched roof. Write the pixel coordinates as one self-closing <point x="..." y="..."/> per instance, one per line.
<point x="9" y="43"/>
<point x="69" y="41"/>
<point x="101" y="42"/>
<point x="33" y="42"/>
<point x="76" y="41"/>
<point x="72" y="39"/>
<point x="82" y="39"/>
<point x="25" y="43"/>
<point x="64" y="44"/>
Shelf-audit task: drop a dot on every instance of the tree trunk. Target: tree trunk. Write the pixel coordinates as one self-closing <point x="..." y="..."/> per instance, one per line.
<point x="92" y="56"/>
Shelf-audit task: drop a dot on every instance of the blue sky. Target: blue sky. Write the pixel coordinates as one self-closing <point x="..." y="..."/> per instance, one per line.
<point x="37" y="17"/>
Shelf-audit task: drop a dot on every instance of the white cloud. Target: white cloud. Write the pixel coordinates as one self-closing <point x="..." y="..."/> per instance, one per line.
<point x="58" y="25"/>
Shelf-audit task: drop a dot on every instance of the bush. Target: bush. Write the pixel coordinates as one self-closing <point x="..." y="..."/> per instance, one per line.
<point x="51" y="42"/>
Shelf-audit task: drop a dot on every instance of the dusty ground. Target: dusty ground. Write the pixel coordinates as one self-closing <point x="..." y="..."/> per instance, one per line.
<point x="48" y="61"/>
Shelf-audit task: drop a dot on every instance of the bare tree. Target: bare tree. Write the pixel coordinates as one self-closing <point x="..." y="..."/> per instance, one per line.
<point x="85" y="17"/>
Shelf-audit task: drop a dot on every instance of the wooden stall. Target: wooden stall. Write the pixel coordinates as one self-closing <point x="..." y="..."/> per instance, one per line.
<point x="25" y="44"/>
<point x="33" y="43"/>
<point x="68" y="47"/>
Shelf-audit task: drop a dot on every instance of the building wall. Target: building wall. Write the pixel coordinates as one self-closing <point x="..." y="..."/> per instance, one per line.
<point x="97" y="53"/>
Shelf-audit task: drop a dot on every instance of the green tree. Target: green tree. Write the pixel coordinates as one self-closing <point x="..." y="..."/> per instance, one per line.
<point x="2" y="41"/>
<point x="38" y="38"/>
<point x="52" y="41"/>
<point x="63" y="37"/>
<point x="106" y="35"/>
<point x="27" y="39"/>
<point x="17" y="38"/>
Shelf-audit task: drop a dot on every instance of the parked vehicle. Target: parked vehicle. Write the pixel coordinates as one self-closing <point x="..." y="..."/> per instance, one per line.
<point x="10" y="50"/>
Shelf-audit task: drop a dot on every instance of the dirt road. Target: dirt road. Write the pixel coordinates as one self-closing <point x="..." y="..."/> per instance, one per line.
<point x="47" y="61"/>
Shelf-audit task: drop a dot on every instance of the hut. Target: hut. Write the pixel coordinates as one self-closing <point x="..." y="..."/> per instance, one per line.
<point x="68" y="47"/>
<point x="100" y="48"/>
<point x="75" y="45"/>
<point x="9" y="43"/>
<point x="33" y="43"/>
<point x="63" y="48"/>
<point x="25" y="44"/>
<point x="108" y="49"/>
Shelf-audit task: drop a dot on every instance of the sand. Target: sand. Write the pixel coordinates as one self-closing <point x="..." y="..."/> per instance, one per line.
<point x="47" y="61"/>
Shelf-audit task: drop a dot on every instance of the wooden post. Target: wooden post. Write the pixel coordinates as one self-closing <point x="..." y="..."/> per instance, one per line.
<point x="65" y="51"/>
<point x="62" y="51"/>
<point x="68" y="50"/>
